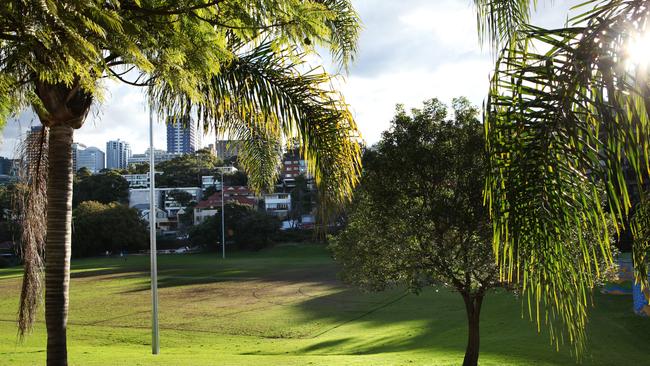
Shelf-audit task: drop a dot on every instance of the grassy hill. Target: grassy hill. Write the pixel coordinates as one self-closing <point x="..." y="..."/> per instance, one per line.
<point x="285" y="306"/>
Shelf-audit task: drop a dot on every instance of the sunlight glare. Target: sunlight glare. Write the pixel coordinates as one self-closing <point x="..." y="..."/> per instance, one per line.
<point x="638" y="49"/>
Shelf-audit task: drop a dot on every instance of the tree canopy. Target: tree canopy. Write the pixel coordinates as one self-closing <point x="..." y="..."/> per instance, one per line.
<point x="109" y="227"/>
<point x="186" y="170"/>
<point x="418" y="218"/>
<point x="105" y="187"/>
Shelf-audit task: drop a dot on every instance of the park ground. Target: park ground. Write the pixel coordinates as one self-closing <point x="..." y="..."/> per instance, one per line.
<point x="285" y="306"/>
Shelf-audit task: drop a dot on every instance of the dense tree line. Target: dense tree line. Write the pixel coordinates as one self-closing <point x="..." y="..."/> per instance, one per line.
<point x="246" y="227"/>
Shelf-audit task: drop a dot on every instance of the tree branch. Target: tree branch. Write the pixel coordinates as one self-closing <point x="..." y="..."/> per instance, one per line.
<point x="120" y="78"/>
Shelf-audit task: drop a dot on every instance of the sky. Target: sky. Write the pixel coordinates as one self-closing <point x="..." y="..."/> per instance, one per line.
<point x="409" y="51"/>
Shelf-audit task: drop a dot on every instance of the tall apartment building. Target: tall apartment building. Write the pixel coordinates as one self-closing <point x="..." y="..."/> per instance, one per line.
<point x="76" y="148"/>
<point x="8" y="166"/>
<point x="33" y="144"/>
<point x="91" y="158"/>
<point x="118" y="153"/>
<point x="181" y="136"/>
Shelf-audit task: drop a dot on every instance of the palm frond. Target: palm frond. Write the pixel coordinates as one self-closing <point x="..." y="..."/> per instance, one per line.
<point x="640" y="226"/>
<point x="265" y="92"/>
<point x="499" y="20"/>
<point x="561" y="125"/>
<point x="31" y="207"/>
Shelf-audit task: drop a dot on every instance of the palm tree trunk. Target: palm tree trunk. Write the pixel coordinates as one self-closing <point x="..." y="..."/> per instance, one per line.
<point x="473" y="306"/>
<point x="58" y="243"/>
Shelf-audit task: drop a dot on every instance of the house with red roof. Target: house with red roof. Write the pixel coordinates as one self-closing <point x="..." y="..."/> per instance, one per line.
<point x="212" y="205"/>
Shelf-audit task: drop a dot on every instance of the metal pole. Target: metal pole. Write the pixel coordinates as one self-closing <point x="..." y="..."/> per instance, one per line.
<point x="155" y="336"/>
<point x="223" y="226"/>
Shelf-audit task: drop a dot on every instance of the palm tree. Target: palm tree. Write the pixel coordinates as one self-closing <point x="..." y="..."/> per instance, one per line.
<point x="236" y="64"/>
<point x="567" y="122"/>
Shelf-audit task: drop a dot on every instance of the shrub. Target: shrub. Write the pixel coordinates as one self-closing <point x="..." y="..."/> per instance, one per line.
<point x="248" y="228"/>
<point x="113" y="227"/>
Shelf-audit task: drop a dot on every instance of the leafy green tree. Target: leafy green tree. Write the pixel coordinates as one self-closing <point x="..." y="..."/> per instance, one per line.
<point x="245" y="226"/>
<point x="182" y="197"/>
<point x="238" y="178"/>
<point x="192" y="56"/>
<point x="302" y="198"/>
<point x="83" y="173"/>
<point x="186" y="170"/>
<point x="419" y="218"/>
<point x="109" y="227"/>
<point x="139" y="168"/>
<point x="567" y="114"/>
<point x="105" y="187"/>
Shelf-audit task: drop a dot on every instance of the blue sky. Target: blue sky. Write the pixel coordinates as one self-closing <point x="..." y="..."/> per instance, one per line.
<point x="410" y="50"/>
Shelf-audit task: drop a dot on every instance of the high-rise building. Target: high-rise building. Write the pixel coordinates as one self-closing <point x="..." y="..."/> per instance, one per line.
<point x="32" y="143"/>
<point x="76" y="148"/>
<point x="91" y="158"/>
<point x="8" y="166"/>
<point x="118" y="153"/>
<point x="227" y="149"/>
<point x="181" y="136"/>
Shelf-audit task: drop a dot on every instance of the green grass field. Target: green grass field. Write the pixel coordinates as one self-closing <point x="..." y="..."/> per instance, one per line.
<point x="284" y="306"/>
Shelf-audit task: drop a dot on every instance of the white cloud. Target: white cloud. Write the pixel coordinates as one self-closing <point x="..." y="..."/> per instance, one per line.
<point x="409" y="51"/>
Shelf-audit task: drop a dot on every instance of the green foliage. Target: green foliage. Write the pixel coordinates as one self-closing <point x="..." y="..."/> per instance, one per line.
<point x="248" y="228"/>
<point x="302" y="198"/>
<point x="499" y="20"/>
<point x="108" y="186"/>
<point x="182" y="197"/>
<point x="640" y="225"/>
<point x="139" y="168"/>
<point x="567" y="112"/>
<point x="418" y="217"/>
<point x="113" y="227"/>
<point x="186" y="170"/>
<point x="238" y="178"/>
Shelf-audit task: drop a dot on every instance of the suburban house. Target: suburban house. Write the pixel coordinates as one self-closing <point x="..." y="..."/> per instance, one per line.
<point x="163" y="223"/>
<point x="139" y="199"/>
<point x="212" y="205"/>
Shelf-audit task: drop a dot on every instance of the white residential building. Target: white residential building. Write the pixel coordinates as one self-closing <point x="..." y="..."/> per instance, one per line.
<point x="138" y="196"/>
<point x="158" y="156"/>
<point x="277" y="204"/>
<point x="138" y="180"/>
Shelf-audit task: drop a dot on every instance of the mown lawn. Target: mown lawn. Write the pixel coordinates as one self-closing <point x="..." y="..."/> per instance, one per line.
<point x="284" y="306"/>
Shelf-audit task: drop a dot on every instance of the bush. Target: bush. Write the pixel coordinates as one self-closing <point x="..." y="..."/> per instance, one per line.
<point x="247" y="228"/>
<point x="113" y="227"/>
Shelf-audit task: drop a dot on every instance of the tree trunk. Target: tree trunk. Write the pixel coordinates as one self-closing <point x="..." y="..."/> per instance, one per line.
<point x="473" y="307"/>
<point x="58" y="243"/>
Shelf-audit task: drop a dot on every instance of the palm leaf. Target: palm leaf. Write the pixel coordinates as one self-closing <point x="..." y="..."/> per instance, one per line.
<point x="265" y="96"/>
<point x="562" y="127"/>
